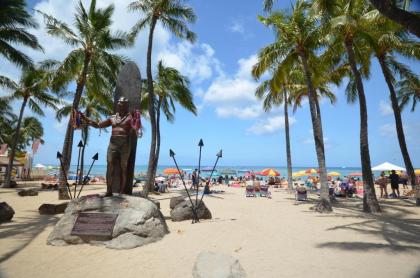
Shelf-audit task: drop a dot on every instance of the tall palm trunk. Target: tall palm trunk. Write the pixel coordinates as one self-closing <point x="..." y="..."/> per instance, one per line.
<point x="324" y="204"/>
<point x="8" y="175"/>
<point x="370" y="202"/>
<point x="68" y="139"/>
<point x="82" y="156"/>
<point x="151" y="107"/>
<point x="157" y="134"/>
<point x="399" y="126"/>
<point x="288" y="153"/>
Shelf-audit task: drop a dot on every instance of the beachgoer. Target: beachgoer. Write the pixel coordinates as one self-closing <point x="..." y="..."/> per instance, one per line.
<point x="382" y="181"/>
<point x="395" y="180"/>
<point x="162" y="187"/>
<point x="194" y="179"/>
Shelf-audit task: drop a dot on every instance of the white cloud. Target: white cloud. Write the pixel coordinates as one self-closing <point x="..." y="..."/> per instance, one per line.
<point x="234" y="96"/>
<point x="250" y="112"/>
<point x="195" y="61"/>
<point x="269" y="125"/>
<point x="237" y="27"/>
<point x="385" y="108"/>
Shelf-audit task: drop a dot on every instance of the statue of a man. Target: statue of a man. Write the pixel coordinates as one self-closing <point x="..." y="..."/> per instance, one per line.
<point x="119" y="144"/>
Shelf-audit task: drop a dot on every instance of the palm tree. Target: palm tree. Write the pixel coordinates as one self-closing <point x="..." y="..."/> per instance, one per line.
<point x="175" y="16"/>
<point x="297" y="39"/>
<point x="33" y="91"/>
<point x="274" y="93"/>
<point x="170" y="87"/>
<point x="90" y="63"/>
<point x="385" y="39"/>
<point x="14" y="20"/>
<point x="348" y="20"/>
<point x="7" y="117"/>
<point x="397" y="12"/>
<point x="408" y="89"/>
<point x="31" y="129"/>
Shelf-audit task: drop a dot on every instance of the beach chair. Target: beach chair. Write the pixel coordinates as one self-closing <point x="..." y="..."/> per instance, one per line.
<point x="301" y="194"/>
<point x="249" y="191"/>
<point x="264" y="191"/>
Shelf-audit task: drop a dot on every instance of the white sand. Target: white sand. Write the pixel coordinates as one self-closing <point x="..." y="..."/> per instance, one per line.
<point x="275" y="237"/>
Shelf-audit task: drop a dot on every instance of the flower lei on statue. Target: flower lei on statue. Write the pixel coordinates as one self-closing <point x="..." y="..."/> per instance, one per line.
<point x="136" y="122"/>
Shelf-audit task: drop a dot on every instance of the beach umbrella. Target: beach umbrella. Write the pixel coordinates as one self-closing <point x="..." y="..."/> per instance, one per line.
<point x="355" y="174"/>
<point x="334" y="174"/>
<point x="170" y="171"/>
<point x="270" y="172"/>
<point x="298" y="174"/>
<point x="386" y="166"/>
<point x="160" y="179"/>
<point x="311" y="171"/>
<point x="417" y="171"/>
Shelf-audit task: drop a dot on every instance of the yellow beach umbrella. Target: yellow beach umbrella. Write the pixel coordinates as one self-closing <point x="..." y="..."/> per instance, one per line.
<point x="417" y="171"/>
<point x="297" y="174"/>
<point x="334" y="174"/>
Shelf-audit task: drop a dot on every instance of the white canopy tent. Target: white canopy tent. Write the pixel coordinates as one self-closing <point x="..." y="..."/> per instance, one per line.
<point x="386" y="166"/>
<point x="40" y="166"/>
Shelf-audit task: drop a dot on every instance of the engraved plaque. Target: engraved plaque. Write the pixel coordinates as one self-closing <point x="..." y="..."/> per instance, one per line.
<point x="98" y="225"/>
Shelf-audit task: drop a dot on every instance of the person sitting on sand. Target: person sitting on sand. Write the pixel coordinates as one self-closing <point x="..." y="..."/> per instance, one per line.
<point x="382" y="181"/>
<point x="256" y="184"/>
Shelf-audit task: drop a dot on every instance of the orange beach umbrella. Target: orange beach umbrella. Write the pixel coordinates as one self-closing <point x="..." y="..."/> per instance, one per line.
<point x="270" y="172"/>
<point x="311" y="171"/>
<point x="170" y="171"/>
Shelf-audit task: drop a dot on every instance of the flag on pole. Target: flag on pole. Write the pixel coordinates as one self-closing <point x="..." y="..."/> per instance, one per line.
<point x="35" y="145"/>
<point x="3" y="149"/>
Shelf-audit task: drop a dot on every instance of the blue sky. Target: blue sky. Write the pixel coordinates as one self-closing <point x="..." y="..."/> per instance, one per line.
<point x="229" y="117"/>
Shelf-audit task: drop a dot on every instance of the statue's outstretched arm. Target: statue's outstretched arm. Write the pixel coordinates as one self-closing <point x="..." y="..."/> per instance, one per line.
<point x="103" y="124"/>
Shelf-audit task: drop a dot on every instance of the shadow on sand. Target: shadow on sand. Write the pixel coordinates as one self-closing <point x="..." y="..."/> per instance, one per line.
<point x="25" y="230"/>
<point x="399" y="233"/>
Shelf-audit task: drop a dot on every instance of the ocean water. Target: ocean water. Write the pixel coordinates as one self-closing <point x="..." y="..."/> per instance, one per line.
<point x="100" y="170"/>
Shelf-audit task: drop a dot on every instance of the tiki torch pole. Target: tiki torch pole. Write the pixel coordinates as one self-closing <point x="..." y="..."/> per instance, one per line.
<point x="80" y="146"/>
<point x="219" y="155"/>
<point x="172" y="154"/>
<point x="60" y="157"/>
<point x="200" y="144"/>
<point x="85" y="179"/>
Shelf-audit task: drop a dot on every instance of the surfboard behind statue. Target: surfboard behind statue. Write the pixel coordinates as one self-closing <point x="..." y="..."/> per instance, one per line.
<point x="129" y="86"/>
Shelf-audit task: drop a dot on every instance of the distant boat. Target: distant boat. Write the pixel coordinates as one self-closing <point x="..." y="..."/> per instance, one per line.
<point x="244" y="170"/>
<point x="208" y="169"/>
<point x="227" y="172"/>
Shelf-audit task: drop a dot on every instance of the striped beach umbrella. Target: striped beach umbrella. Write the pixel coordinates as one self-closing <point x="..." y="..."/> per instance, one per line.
<point x="311" y="171"/>
<point x="334" y="174"/>
<point x="270" y="172"/>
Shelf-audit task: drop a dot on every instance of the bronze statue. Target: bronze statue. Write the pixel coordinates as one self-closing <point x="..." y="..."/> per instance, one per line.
<point x="124" y="124"/>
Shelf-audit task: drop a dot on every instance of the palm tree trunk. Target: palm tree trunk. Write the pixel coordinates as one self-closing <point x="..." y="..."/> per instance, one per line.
<point x="370" y="202"/>
<point x="8" y="175"/>
<point x="157" y="134"/>
<point x="82" y="156"/>
<point x="409" y="20"/>
<point x="399" y="126"/>
<point x="324" y="204"/>
<point x="288" y="153"/>
<point x="151" y="106"/>
<point x="68" y="139"/>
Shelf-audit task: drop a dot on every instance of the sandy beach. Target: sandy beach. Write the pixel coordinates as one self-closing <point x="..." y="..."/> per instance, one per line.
<point x="276" y="237"/>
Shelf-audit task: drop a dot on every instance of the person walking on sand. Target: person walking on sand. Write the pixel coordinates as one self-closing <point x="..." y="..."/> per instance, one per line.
<point x="395" y="180"/>
<point x="382" y="181"/>
<point x="194" y="179"/>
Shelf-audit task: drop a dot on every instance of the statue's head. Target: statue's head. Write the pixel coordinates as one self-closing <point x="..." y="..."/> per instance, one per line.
<point x="122" y="105"/>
